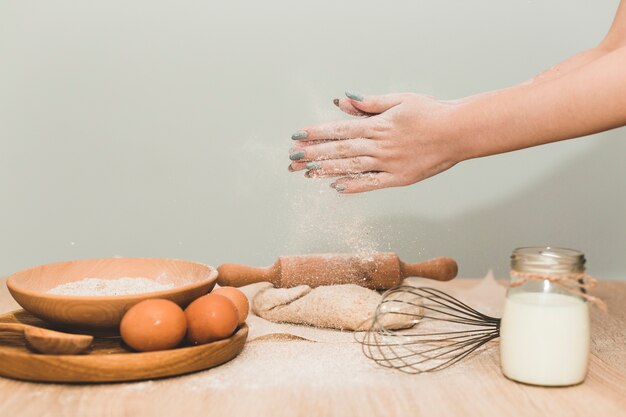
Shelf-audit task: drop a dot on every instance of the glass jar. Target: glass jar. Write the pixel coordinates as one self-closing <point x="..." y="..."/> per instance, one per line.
<point x="544" y="332"/>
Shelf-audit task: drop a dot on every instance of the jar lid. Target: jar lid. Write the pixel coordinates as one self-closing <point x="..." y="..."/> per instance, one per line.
<point x="548" y="260"/>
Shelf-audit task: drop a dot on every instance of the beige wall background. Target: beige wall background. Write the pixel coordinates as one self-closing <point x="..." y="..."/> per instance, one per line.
<point x="161" y="129"/>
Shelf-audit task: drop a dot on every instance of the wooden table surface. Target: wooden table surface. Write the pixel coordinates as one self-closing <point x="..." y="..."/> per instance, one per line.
<point x="278" y="377"/>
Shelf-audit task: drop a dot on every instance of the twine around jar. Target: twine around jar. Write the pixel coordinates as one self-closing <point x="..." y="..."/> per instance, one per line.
<point x="572" y="283"/>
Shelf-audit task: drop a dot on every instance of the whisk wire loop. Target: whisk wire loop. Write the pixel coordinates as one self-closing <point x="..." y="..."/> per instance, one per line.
<point x="443" y="330"/>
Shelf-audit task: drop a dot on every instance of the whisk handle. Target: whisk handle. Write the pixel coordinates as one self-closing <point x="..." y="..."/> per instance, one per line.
<point x="440" y="269"/>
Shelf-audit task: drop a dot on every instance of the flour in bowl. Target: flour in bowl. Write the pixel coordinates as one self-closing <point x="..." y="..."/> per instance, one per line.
<point x="109" y="287"/>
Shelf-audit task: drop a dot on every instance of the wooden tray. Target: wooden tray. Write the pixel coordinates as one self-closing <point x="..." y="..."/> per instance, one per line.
<point x="109" y="360"/>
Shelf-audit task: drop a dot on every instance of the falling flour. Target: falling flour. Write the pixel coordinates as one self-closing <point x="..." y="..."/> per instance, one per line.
<point x="322" y="221"/>
<point x="108" y="287"/>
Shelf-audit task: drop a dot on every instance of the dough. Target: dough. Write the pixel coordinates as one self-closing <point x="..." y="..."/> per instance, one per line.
<point x="343" y="307"/>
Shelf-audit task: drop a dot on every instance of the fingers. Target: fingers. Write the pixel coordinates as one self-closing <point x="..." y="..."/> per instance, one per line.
<point x="344" y="129"/>
<point x="362" y="183"/>
<point x="353" y="173"/>
<point x="374" y="104"/>
<point x="347" y="149"/>
<point x="359" y="105"/>
<point x="356" y="105"/>
<point x="341" y="167"/>
<point x="345" y="105"/>
<point x="336" y="149"/>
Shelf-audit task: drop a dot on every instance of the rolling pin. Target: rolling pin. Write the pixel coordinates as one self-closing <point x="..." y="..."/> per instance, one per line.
<point x="378" y="271"/>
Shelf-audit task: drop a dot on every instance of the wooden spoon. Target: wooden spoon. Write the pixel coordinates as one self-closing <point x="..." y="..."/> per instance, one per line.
<point x="50" y="341"/>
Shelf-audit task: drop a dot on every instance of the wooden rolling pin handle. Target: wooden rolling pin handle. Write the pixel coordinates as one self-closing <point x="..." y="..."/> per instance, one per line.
<point x="440" y="269"/>
<point x="235" y="275"/>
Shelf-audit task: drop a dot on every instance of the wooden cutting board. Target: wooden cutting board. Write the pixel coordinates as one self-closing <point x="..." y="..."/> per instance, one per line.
<point x="109" y="360"/>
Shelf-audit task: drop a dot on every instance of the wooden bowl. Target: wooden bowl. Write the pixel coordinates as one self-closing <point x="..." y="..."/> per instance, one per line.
<point x="101" y="315"/>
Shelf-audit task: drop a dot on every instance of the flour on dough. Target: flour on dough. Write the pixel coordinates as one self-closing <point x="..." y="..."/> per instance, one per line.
<point x="343" y="307"/>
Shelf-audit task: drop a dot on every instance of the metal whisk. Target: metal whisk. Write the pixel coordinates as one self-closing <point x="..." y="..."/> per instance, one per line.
<point x="444" y="330"/>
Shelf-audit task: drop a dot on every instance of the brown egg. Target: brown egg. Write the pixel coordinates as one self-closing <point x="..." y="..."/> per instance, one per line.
<point x="209" y="318"/>
<point x="153" y="325"/>
<point x="238" y="298"/>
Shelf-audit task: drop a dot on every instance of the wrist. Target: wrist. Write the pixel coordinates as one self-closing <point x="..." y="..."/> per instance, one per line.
<point x="460" y="129"/>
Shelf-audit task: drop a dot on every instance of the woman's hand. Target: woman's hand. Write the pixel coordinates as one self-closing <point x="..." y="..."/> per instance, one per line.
<point x="403" y="138"/>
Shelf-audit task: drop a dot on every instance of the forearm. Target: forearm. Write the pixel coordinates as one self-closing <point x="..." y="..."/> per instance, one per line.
<point x="615" y="39"/>
<point x="587" y="100"/>
<point x="571" y="64"/>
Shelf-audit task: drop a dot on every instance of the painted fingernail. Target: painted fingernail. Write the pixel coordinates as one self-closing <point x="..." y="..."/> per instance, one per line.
<point x="354" y="96"/>
<point x="340" y="187"/>
<point x="336" y="102"/>
<point x="296" y="155"/>
<point x="313" y="165"/>
<point x="299" y="135"/>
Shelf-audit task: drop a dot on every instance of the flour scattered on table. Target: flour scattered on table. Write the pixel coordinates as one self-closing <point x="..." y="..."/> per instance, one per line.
<point x="109" y="287"/>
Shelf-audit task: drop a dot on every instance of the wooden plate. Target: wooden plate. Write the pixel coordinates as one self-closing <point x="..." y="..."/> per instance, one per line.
<point x="109" y="360"/>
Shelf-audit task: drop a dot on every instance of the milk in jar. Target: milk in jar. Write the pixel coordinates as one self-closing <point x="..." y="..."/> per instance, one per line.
<point x="544" y="332"/>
